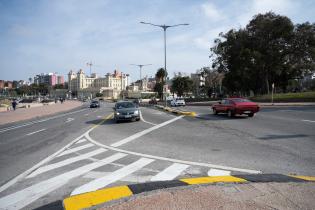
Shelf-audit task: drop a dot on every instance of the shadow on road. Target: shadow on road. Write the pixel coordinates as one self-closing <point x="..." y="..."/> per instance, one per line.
<point x="220" y="117"/>
<point x="271" y="137"/>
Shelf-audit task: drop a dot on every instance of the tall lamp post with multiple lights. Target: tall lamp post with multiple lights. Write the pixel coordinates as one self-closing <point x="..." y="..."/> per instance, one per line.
<point x="164" y="27"/>
<point x="140" y="66"/>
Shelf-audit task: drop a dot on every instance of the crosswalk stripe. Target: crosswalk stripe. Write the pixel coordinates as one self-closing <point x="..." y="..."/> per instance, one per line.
<point x="30" y="194"/>
<point x="217" y="172"/>
<point x="80" y="141"/>
<point x="170" y="172"/>
<point x="65" y="162"/>
<point x="115" y="176"/>
<point x="69" y="151"/>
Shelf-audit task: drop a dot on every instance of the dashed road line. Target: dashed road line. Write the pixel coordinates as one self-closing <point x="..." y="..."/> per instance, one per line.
<point x="29" y="134"/>
<point x="312" y="121"/>
<point x="38" y="121"/>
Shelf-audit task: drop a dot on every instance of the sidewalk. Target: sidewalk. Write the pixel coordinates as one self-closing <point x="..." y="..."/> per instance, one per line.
<point x="29" y="113"/>
<point x="271" y="195"/>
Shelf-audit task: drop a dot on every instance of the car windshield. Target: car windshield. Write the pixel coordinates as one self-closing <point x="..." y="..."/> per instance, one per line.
<point x="124" y="105"/>
<point x="238" y="100"/>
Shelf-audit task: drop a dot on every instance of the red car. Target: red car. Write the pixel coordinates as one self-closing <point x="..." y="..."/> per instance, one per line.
<point x="233" y="106"/>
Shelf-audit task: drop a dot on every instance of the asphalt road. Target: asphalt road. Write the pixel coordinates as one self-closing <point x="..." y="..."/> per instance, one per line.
<point x="161" y="146"/>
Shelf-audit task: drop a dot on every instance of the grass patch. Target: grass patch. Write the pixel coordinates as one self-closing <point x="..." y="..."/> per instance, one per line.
<point x="287" y="97"/>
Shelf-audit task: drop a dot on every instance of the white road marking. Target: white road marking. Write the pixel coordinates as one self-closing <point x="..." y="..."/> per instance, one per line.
<point x="65" y="162"/>
<point x="80" y="141"/>
<point x="216" y="172"/>
<point x="36" y="132"/>
<point x="30" y="194"/>
<point x="143" y="120"/>
<point x="170" y="172"/>
<point x="75" y="149"/>
<point x="130" y="178"/>
<point x="99" y="116"/>
<point x="86" y="114"/>
<point x="171" y="159"/>
<point x="38" y="121"/>
<point x="112" y="177"/>
<point x="146" y="131"/>
<point x="309" y="121"/>
<point x="69" y="120"/>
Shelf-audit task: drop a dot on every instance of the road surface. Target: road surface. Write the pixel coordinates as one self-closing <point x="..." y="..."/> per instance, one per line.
<point x="49" y="159"/>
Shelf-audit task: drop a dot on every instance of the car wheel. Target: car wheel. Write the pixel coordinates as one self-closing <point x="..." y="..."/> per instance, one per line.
<point x="138" y="119"/>
<point x="251" y="115"/>
<point x="230" y="113"/>
<point x="215" y="112"/>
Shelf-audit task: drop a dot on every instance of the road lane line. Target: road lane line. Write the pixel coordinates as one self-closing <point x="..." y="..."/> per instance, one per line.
<point x="112" y="177"/>
<point x="143" y="120"/>
<point x="228" y="168"/>
<point x="144" y="132"/>
<point x="69" y="120"/>
<point x="216" y="172"/>
<point x="49" y="158"/>
<point x="170" y="172"/>
<point x="75" y="149"/>
<point x="29" y="134"/>
<point x="38" y="121"/>
<point x="30" y="194"/>
<point x="80" y="141"/>
<point x="65" y="162"/>
<point x="309" y="121"/>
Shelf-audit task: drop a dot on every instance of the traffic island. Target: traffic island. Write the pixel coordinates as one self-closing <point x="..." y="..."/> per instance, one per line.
<point x="213" y="192"/>
<point x="176" y="111"/>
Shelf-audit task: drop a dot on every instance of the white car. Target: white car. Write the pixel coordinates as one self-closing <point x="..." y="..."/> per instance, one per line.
<point x="178" y="102"/>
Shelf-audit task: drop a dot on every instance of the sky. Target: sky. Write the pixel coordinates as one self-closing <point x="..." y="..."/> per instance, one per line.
<point x="41" y="36"/>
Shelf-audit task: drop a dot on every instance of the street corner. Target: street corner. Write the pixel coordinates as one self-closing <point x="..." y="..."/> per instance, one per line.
<point x="104" y="196"/>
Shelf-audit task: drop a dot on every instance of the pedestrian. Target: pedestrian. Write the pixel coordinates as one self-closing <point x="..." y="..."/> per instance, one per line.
<point x="56" y="100"/>
<point x="14" y="104"/>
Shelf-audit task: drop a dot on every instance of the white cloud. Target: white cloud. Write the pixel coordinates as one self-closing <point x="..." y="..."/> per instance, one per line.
<point x="212" y="12"/>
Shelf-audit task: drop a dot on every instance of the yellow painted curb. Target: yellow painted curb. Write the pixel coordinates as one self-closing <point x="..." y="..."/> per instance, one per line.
<point x="212" y="179"/>
<point x="307" y="178"/>
<point x="193" y="114"/>
<point x="90" y="199"/>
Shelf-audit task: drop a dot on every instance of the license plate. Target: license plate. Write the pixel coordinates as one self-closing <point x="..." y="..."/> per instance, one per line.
<point x="127" y="116"/>
<point x="247" y="112"/>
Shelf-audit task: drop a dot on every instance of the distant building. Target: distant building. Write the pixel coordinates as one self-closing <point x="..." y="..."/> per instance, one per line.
<point x="8" y="84"/>
<point x="84" y="86"/>
<point x="2" y="82"/>
<point x="198" y="82"/>
<point x="50" y="79"/>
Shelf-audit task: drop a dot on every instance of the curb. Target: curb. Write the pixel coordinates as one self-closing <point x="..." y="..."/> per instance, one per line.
<point x="90" y="199"/>
<point x="174" y="111"/>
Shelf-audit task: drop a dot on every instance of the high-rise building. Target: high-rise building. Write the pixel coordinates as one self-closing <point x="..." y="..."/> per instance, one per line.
<point x="50" y="79"/>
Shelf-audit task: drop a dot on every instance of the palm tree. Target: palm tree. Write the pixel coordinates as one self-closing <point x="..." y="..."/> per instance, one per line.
<point x="160" y="75"/>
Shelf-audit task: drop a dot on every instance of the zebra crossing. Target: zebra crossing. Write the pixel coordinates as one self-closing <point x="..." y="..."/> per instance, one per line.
<point x="93" y="168"/>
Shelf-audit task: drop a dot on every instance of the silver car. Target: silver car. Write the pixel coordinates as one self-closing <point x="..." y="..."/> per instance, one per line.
<point x="126" y="110"/>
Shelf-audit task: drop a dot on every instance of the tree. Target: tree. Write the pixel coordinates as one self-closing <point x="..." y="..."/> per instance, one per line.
<point x="99" y="94"/>
<point x="159" y="89"/>
<point x="181" y="85"/>
<point x="270" y="49"/>
<point x="160" y="75"/>
<point x="59" y="86"/>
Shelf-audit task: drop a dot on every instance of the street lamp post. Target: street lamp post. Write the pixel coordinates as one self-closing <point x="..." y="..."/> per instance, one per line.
<point x="140" y="66"/>
<point x="164" y="27"/>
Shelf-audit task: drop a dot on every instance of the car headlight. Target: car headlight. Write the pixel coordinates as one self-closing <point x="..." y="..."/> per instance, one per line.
<point x="117" y="113"/>
<point x="136" y="112"/>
